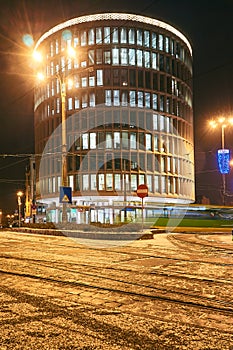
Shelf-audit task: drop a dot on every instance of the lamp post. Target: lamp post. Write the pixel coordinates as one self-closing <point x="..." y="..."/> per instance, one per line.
<point x="63" y="81"/>
<point x="19" y="195"/>
<point x="223" y="123"/>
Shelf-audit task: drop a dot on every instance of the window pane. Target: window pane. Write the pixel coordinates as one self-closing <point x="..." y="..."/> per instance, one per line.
<point x="131" y="36"/>
<point x="99" y="77"/>
<point x="123" y="36"/>
<point x="132" y="57"/>
<point x="98" y="36"/>
<point x="139" y="36"/>
<point x="115" y="35"/>
<point x="93" y="182"/>
<point x="91" y="37"/>
<point x="109" y="182"/>
<point x="107" y="35"/>
<point x="146" y="38"/>
<point x="124" y="57"/>
<point x="115" y="56"/>
<point x="117" y="180"/>
<point x="85" y="182"/>
<point x="101" y="182"/>
<point x="139" y="58"/>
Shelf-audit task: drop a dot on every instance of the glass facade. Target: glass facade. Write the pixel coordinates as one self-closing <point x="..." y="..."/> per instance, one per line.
<point x="129" y="109"/>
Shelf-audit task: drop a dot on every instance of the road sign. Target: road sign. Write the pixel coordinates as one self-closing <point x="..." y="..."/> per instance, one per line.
<point x="65" y="195"/>
<point x="142" y="191"/>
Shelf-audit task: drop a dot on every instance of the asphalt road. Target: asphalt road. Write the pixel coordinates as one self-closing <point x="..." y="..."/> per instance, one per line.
<point x="170" y="292"/>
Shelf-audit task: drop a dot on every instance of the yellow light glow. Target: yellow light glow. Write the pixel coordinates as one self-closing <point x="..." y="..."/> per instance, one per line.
<point x="221" y="120"/>
<point x="212" y="123"/>
<point x="40" y="76"/>
<point x="70" y="83"/>
<point x="71" y="52"/>
<point x="37" y="56"/>
<point x="19" y="193"/>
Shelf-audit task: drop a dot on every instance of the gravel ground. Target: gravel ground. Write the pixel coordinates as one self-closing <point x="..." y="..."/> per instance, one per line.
<point x="172" y="292"/>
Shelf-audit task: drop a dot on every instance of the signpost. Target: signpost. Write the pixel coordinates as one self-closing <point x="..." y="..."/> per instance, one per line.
<point x="142" y="192"/>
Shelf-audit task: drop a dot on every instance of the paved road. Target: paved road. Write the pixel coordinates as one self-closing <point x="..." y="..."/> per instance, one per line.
<point x="172" y="292"/>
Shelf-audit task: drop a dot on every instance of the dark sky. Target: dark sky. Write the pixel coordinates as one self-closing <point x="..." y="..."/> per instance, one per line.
<point x="207" y="24"/>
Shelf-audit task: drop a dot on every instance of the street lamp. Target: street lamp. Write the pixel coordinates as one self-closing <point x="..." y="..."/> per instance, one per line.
<point x="19" y="195"/>
<point x="63" y="82"/>
<point x="223" y="123"/>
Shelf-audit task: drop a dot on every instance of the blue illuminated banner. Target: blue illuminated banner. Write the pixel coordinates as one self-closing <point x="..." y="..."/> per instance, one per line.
<point x="224" y="161"/>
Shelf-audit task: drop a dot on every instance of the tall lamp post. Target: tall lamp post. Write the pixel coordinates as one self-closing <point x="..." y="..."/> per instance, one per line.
<point x="19" y="196"/>
<point x="223" y="123"/>
<point x="63" y="81"/>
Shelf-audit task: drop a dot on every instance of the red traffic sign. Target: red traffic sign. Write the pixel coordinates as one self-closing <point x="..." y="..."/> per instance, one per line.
<point x="142" y="191"/>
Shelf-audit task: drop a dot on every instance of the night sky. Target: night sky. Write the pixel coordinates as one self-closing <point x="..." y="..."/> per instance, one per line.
<point x="208" y="26"/>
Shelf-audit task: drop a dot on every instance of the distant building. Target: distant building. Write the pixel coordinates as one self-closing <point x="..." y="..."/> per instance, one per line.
<point x="129" y="115"/>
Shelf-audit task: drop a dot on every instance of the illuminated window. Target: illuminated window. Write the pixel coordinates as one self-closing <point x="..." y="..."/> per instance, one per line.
<point x="109" y="182"/>
<point x="85" y="182"/>
<point x="84" y="81"/>
<point x="99" y="77"/>
<point x="84" y="100"/>
<point x="70" y="101"/>
<point x="161" y="42"/>
<point x="156" y="183"/>
<point x="131" y="36"/>
<point x="156" y="142"/>
<point x="56" y="46"/>
<point x="115" y="35"/>
<point x="140" y="99"/>
<point x="91" y="81"/>
<point x="132" y="57"/>
<point x="107" y="35"/>
<point x="83" y="38"/>
<point x="116" y="97"/>
<point x="58" y="105"/>
<point x="85" y="140"/>
<point x="146" y="38"/>
<point x="154" y="40"/>
<point x="91" y="57"/>
<point x="117" y="182"/>
<point x="149" y="182"/>
<point x="147" y="59"/>
<point x="163" y="184"/>
<point x="92" y="99"/>
<point x="141" y="179"/>
<point x="154" y="60"/>
<point x="98" y="37"/>
<point x="123" y="36"/>
<point x="133" y="182"/>
<point x="148" y="142"/>
<point x="92" y="140"/>
<point x="124" y="56"/>
<point x="132" y="98"/>
<point x="147" y="99"/>
<point x="76" y="103"/>
<point x="133" y="140"/>
<point x="108" y="140"/>
<point x="115" y="56"/>
<point x="93" y="182"/>
<point x="107" y="57"/>
<point x="91" y="37"/>
<point x="124" y="98"/>
<point x="139" y="58"/>
<point x="139" y="37"/>
<point x="117" y="141"/>
<point x="108" y="97"/>
<point x="76" y="41"/>
<point x="101" y="182"/>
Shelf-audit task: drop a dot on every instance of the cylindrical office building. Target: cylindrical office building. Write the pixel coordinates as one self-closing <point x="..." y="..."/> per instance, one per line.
<point x="128" y="111"/>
